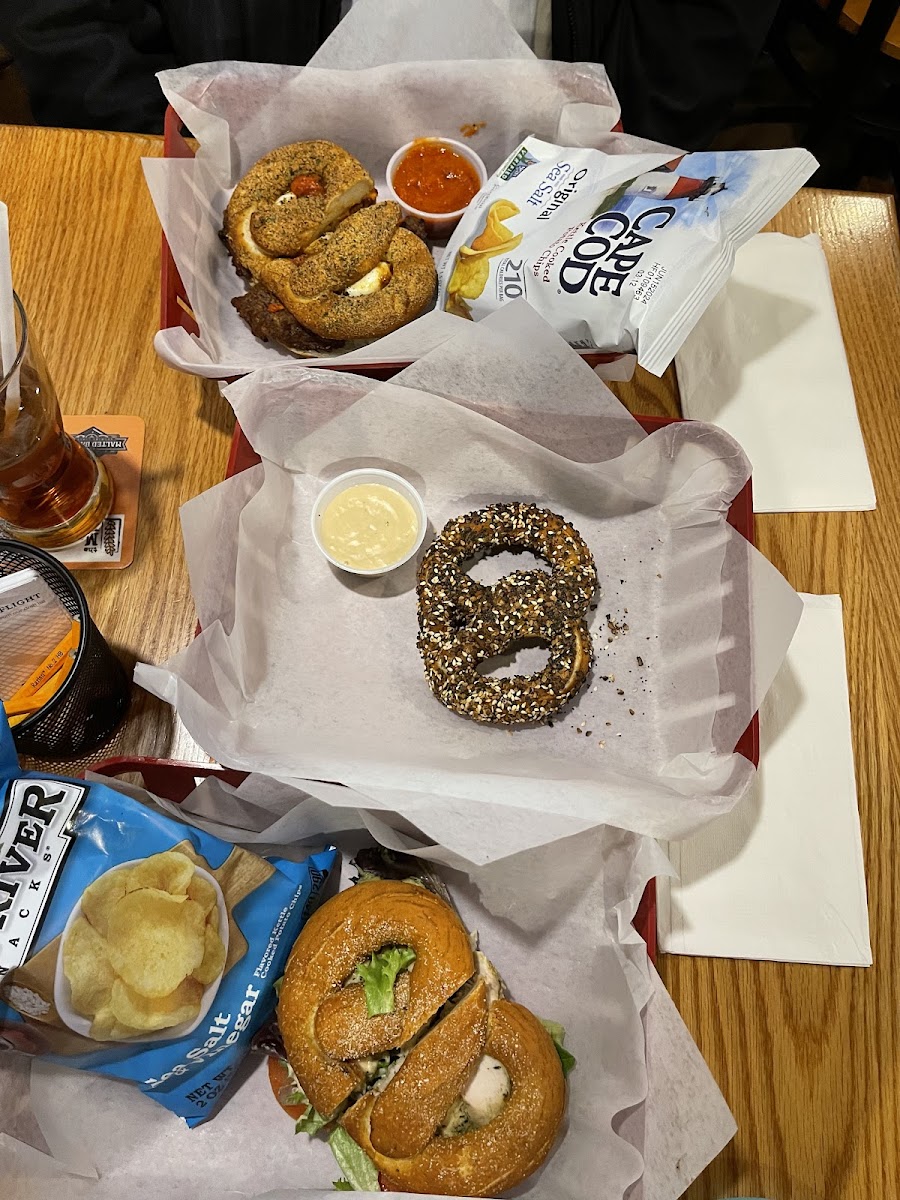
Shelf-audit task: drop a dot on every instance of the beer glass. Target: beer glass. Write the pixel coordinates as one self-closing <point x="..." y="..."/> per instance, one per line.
<point x="53" y="491"/>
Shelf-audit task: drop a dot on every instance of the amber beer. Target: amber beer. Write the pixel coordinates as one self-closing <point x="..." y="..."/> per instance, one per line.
<point x="53" y="492"/>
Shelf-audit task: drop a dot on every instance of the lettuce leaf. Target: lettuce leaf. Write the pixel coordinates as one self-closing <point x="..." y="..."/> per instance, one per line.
<point x="342" y="1185"/>
<point x="356" y="1166"/>
<point x="311" y="1121"/>
<point x="558" y="1037"/>
<point x="379" y="974"/>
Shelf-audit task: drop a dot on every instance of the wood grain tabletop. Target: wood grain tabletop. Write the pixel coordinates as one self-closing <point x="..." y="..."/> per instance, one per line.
<point x="85" y="251"/>
<point x="807" y="1057"/>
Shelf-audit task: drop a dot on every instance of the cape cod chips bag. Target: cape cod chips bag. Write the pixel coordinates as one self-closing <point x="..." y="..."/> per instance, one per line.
<point x="618" y="252"/>
<point x="132" y="945"/>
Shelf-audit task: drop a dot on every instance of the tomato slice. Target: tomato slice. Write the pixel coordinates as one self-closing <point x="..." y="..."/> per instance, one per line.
<point x="282" y="1085"/>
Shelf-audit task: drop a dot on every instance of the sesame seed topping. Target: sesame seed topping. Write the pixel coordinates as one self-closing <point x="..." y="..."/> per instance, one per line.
<point x="464" y="623"/>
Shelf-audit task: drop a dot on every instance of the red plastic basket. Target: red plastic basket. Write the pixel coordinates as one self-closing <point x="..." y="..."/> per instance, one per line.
<point x="175" y="307"/>
<point x="176" y="780"/>
<point x="741" y="517"/>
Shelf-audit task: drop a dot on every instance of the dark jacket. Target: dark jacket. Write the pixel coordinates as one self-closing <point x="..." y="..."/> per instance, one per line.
<point x="677" y="65"/>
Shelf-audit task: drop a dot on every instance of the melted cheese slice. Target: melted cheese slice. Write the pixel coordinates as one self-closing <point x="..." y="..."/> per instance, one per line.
<point x="370" y="283"/>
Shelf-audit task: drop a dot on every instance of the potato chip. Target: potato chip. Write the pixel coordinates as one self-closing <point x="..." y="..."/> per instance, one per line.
<point x="98" y="899"/>
<point x="138" y="1012"/>
<point x="213" y="956"/>
<point x="103" y="1024"/>
<point x="87" y="967"/>
<point x="495" y="233"/>
<point x="490" y="251"/>
<point x="155" y="940"/>
<point x="202" y="892"/>
<point x="456" y="305"/>
<point x="502" y="210"/>
<point x="469" y="278"/>
<point x="106" y="1028"/>
<point x="121" y="1033"/>
<point x="170" y="872"/>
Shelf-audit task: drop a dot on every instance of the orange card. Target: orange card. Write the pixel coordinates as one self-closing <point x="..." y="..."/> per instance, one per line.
<point x="119" y="441"/>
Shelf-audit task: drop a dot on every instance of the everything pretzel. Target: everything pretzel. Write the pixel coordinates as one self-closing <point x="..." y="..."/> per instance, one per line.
<point x="464" y="623"/>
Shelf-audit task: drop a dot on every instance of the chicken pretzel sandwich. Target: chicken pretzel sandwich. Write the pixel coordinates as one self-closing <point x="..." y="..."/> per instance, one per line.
<point x="399" y="1034"/>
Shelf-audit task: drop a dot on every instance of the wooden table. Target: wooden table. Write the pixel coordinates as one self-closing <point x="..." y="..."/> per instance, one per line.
<point x="809" y="1057"/>
<point x="806" y="1056"/>
<point x="85" y="251"/>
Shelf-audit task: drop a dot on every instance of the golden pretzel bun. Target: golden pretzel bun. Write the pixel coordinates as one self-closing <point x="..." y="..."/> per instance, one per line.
<point x="346" y="1031"/>
<point x="336" y="938"/>
<point x="405" y="1115"/>
<point x="486" y="1161"/>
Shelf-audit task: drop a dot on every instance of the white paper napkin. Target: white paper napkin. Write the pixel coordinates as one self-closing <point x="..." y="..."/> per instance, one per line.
<point x="766" y="362"/>
<point x="781" y="876"/>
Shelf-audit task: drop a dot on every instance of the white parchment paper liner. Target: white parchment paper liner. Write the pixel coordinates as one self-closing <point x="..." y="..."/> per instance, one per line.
<point x="557" y="924"/>
<point x="442" y="67"/>
<point x="304" y="673"/>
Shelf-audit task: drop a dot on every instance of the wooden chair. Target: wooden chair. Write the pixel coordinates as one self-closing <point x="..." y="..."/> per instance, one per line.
<point x="14" y="107"/>
<point x="841" y="59"/>
<point x="852" y="13"/>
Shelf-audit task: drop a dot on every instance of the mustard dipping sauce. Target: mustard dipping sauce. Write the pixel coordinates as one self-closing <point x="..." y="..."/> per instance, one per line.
<point x="368" y="527"/>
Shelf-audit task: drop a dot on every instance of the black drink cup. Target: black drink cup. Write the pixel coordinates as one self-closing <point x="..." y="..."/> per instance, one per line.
<point x="94" y="697"/>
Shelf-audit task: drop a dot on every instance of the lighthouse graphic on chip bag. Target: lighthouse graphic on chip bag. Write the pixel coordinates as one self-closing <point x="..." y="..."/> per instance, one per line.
<point x="619" y="252"/>
<point x="134" y="945"/>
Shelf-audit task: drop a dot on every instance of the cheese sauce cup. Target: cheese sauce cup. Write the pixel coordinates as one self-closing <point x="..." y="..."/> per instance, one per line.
<point x="435" y="179"/>
<point x="369" y="521"/>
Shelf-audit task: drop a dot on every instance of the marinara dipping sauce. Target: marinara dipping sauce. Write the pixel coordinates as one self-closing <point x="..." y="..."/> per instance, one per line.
<point x="435" y="179"/>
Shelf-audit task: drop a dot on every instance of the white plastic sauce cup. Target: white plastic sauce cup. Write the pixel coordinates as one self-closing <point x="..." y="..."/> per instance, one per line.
<point x="353" y="479"/>
<point x="438" y="225"/>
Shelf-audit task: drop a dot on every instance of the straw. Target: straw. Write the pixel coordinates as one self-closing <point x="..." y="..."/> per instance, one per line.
<point x="8" y="344"/>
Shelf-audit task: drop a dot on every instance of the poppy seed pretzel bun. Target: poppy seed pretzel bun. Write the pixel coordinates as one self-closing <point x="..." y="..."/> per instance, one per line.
<point x="291" y="196"/>
<point x="343" y="932"/>
<point x="303" y="225"/>
<point x="370" y="245"/>
<point x="407" y="1122"/>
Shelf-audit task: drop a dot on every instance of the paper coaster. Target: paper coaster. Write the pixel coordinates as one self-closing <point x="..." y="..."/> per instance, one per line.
<point x="119" y="441"/>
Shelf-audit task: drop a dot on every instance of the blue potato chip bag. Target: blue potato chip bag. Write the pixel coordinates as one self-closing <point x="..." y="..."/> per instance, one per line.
<point x="132" y="945"/>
